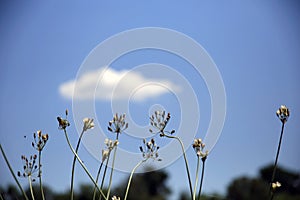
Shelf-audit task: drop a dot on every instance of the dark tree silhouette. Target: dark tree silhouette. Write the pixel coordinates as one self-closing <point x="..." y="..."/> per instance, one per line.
<point x="290" y="181"/>
<point x="146" y="186"/>
<point x="246" y="188"/>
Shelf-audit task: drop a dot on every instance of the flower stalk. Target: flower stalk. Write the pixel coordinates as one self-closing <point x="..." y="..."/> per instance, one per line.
<point x="131" y="175"/>
<point x="112" y="169"/>
<point x="116" y="125"/>
<point x="185" y="161"/>
<point x="159" y="121"/>
<point x="283" y="114"/>
<point x="88" y="124"/>
<point x="197" y="175"/>
<point x="82" y="165"/>
<point x="73" y="165"/>
<point x="202" y="176"/>
<point x="12" y="173"/>
<point x="31" y="189"/>
<point x="39" y="143"/>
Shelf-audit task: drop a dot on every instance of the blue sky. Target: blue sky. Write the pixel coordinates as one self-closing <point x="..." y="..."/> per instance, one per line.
<point x="254" y="44"/>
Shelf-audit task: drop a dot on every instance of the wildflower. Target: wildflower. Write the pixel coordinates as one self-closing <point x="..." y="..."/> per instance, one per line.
<point x="110" y="144"/>
<point x="40" y="140"/>
<point x="88" y="124"/>
<point x="29" y="166"/>
<point x="62" y="123"/>
<point x="283" y="113"/>
<point x="117" y="124"/>
<point x="115" y="198"/>
<point x="159" y="120"/>
<point x="198" y="146"/>
<point x="105" y="154"/>
<point x="276" y="185"/>
<point x="150" y="149"/>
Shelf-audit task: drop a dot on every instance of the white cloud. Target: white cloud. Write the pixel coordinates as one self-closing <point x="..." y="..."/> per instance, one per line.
<point x="107" y="84"/>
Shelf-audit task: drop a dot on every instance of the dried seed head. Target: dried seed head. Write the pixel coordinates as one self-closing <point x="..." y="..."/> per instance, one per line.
<point x="62" y="123"/>
<point x="117" y="124"/>
<point x="150" y="149"/>
<point x="283" y="113"/>
<point x="198" y="146"/>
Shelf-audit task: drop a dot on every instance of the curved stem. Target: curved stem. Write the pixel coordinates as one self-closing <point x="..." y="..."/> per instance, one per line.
<point x="202" y="176"/>
<point x="40" y="176"/>
<point x="275" y="163"/>
<point x="12" y="173"/>
<point x="73" y="165"/>
<point x="197" y="174"/>
<point x="97" y="178"/>
<point x="130" y="178"/>
<point x="185" y="160"/>
<point x="30" y="186"/>
<point x="82" y="165"/>
<point x="112" y="169"/>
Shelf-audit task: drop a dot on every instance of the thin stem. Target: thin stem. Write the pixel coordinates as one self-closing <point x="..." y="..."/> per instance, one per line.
<point x="73" y="165"/>
<point x="104" y="174"/>
<point x="276" y="160"/>
<point x="82" y="165"/>
<point x="185" y="160"/>
<point x="112" y="169"/>
<point x="1" y="197"/>
<point x="197" y="174"/>
<point x="30" y="186"/>
<point x="40" y="175"/>
<point x="97" y="178"/>
<point x="202" y="176"/>
<point x="130" y="178"/>
<point x="12" y="173"/>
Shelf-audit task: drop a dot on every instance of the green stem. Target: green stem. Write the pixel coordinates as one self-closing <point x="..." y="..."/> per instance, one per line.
<point x="112" y="169"/>
<point x="202" y="176"/>
<point x="104" y="174"/>
<point x="40" y="176"/>
<point x="73" y="165"/>
<point x="30" y="186"/>
<point x="12" y="173"/>
<point x="197" y="174"/>
<point x="97" y="178"/>
<point x="82" y="165"/>
<point x="185" y="160"/>
<point x="276" y="160"/>
<point x="130" y="178"/>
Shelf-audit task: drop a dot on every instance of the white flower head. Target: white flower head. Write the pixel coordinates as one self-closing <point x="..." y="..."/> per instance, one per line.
<point x="105" y="154"/>
<point x="88" y="123"/>
<point x="115" y="198"/>
<point x="276" y="185"/>
<point x="198" y="146"/>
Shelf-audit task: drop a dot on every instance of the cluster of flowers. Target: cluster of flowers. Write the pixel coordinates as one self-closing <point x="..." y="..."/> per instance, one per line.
<point x="149" y="149"/>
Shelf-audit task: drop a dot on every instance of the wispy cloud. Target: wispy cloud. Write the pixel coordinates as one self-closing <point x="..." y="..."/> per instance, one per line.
<point x="107" y="84"/>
